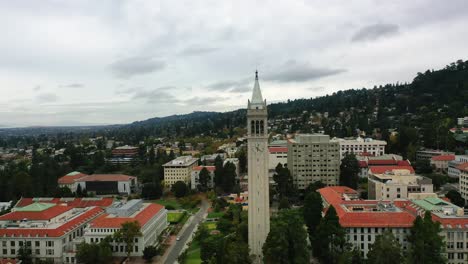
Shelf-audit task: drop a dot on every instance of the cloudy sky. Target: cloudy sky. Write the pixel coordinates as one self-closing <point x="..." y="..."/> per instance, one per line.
<point x="116" y="61"/>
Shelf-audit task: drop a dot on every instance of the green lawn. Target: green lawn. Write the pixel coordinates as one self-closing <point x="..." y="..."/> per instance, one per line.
<point x="193" y="253"/>
<point x="172" y="202"/>
<point x="174" y="217"/>
<point x="215" y="214"/>
<point x="210" y="225"/>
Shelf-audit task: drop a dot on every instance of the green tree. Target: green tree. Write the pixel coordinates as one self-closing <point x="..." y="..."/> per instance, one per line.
<point x="127" y="234"/>
<point x="349" y="170"/>
<point x="313" y="187"/>
<point x="229" y="177"/>
<point x="180" y="189"/>
<point x="151" y="156"/>
<point x="423" y="166"/>
<point x="203" y="178"/>
<point x="242" y="156"/>
<point x="329" y="241"/>
<point x="385" y="250"/>
<point x="150" y="252"/>
<point x="25" y="254"/>
<point x="287" y="241"/>
<point x="426" y="245"/>
<point x="94" y="253"/>
<point x="284" y="181"/>
<point x="456" y="198"/>
<point x="151" y="190"/>
<point x="312" y="211"/>
<point x="218" y="179"/>
<point x="284" y="203"/>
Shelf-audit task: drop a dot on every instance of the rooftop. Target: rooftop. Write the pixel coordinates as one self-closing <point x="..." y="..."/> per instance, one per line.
<point x="443" y="158"/>
<point x="209" y="168"/>
<point x="390" y="169"/>
<point x="143" y="215"/>
<point x="71" y="177"/>
<point x="106" y="177"/>
<point x="75" y="202"/>
<point x="278" y="149"/>
<point x="181" y="161"/>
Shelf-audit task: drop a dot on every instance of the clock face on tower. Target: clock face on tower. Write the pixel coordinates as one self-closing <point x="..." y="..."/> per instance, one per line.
<point x="258" y="148"/>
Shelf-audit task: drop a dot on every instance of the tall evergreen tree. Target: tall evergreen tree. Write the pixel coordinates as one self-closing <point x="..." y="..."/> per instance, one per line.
<point x="329" y="241"/>
<point x="349" y="170"/>
<point x="312" y="211"/>
<point x="385" y="250"/>
<point x="426" y="244"/>
<point x="218" y="162"/>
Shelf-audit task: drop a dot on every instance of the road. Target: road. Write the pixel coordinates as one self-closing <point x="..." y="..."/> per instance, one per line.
<point x="185" y="234"/>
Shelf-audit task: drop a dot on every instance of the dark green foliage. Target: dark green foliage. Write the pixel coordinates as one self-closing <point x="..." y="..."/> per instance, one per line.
<point x="456" y="198"/>
<point x="385" y="250"/>
<point x="63" y="192"/>
<point x="312" y="211"/>
<point x="287" y="241"/>
<point x="229" y="177"/>
<point x="426" y="245"/>
<point x="314" y="186"/>
<point x="284" y="182"/>
<point x="127" y="234"/>
<point x="218" y="180"/>
<point x="284" y="203"/>
<point x="25" y="254"/>
<point x="423" y="166"/>
<point x="329" y="241"/>
<point x="150" y="252"/>
<point x="94" y="253"/>
<point x="151" y="191"/>
<point x="151" y="156"/>
<point x="242" y="156"/>
<point x="349" y="170"/>
<point x="180" y="189"/>
<point x="203" y="178"/>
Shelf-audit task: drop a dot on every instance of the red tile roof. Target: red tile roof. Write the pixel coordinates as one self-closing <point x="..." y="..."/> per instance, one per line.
<point x="74" y="202"/>
<point x="403" y="163"/>
<point x="383" y="162"/>
<point x="46" y="214"/>
<point x="106" y="177"/>
<point x="383" y="169"/>
<point x="362" y="164"/>
<point x="115" y="222"/>
<point x="209" y="168"/>
<point x="443" y="157"/>
<point x="57" y="232"/>
<point x="69" y="179"/>
<point x="278" y="149"/>
<point x="463" y="167"/>
<point x="333" y="196"/>
<point x="8" y="261"/>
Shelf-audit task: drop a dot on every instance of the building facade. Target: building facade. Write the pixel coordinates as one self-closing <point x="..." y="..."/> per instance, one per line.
<point x="179" y="169"/>
<point x="463" y="180"/>
<point x="259" y="204"/>
<point x="151" y="217"/>
<point x="453" y="170"/>
<point x="361" y="145"/>
<point x="103" y="184"/>
<point x="313" y="157"/>
<point x="195" y="176"/>
<point x="397" y="184"/>
<point x="427" y="154"/>
<point x="277" y="155"/>
<point x="50" y="230"/>
<point x="440" y="162"/>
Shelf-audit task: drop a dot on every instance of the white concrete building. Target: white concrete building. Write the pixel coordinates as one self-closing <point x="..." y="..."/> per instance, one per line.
<point x="397" y="184"/>
<point x="361" y="145"/>
<point x="70" y="179"/>
<point x="179" y="169"/>
<point x="229" y="148"/>
<point x="151" y="217"/>
<point x="195" y="176"/>
<point x="453" y="170"/>
<point x="277" y="155"/>
<point x="463" y="180"/>
<point x="440" y="162"/>
<point x="51" y="231"/>
<point x="108" y="183"/>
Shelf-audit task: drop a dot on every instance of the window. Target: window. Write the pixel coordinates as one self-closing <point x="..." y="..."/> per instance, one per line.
<point x="37" y="251"/>
<point x="12" y="251"/>
<point x="49" y="252"/>
<point x="12" y="243"/>
<point x="460" y="256"/>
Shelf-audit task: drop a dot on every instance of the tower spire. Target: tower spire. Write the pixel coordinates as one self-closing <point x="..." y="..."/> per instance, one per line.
<point x="257" y="93"/>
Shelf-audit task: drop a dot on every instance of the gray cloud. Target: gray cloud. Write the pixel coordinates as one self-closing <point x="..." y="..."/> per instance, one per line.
<point x="293" y="71"/>
<point x="72" y="85"/>
<point x="240" y="86"/>
<point x="203" y="101"/>
<point x="47" y="97"/>
<point x="375" y="31"/>
<point x="129" y="67"/>
<point x="197" y="50"/>
<point x="37" y="88"/>
<point x="316" y="89"/>
<point x="159" y="95"/>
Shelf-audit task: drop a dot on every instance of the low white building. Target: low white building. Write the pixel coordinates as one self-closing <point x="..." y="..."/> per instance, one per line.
<point x="108" y="183"/>
<point x="463" y="180"/>
<point x="277" y="154"/>
<point x="51" y="231"/>
<point x="453" y="170"/>
<point x="196" y="176"/>
<point x="70" y="180"/>
<point x="361" y="145"/>
<point x="151" y="217"/>
<point x="440" y="162"/>
<point x="397" y="184"/>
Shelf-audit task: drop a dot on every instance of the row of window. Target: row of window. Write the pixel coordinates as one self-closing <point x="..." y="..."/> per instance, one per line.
<point x="13" y="243"/>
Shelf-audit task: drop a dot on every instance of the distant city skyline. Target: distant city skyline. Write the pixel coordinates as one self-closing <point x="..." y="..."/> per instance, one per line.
<point x="113" y="62"/>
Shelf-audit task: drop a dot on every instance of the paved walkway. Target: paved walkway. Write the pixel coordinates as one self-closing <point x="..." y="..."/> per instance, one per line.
<point x="185" y="235"/>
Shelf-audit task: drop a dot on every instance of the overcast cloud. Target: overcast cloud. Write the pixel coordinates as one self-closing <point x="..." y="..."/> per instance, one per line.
<point x="106" y="62"/>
